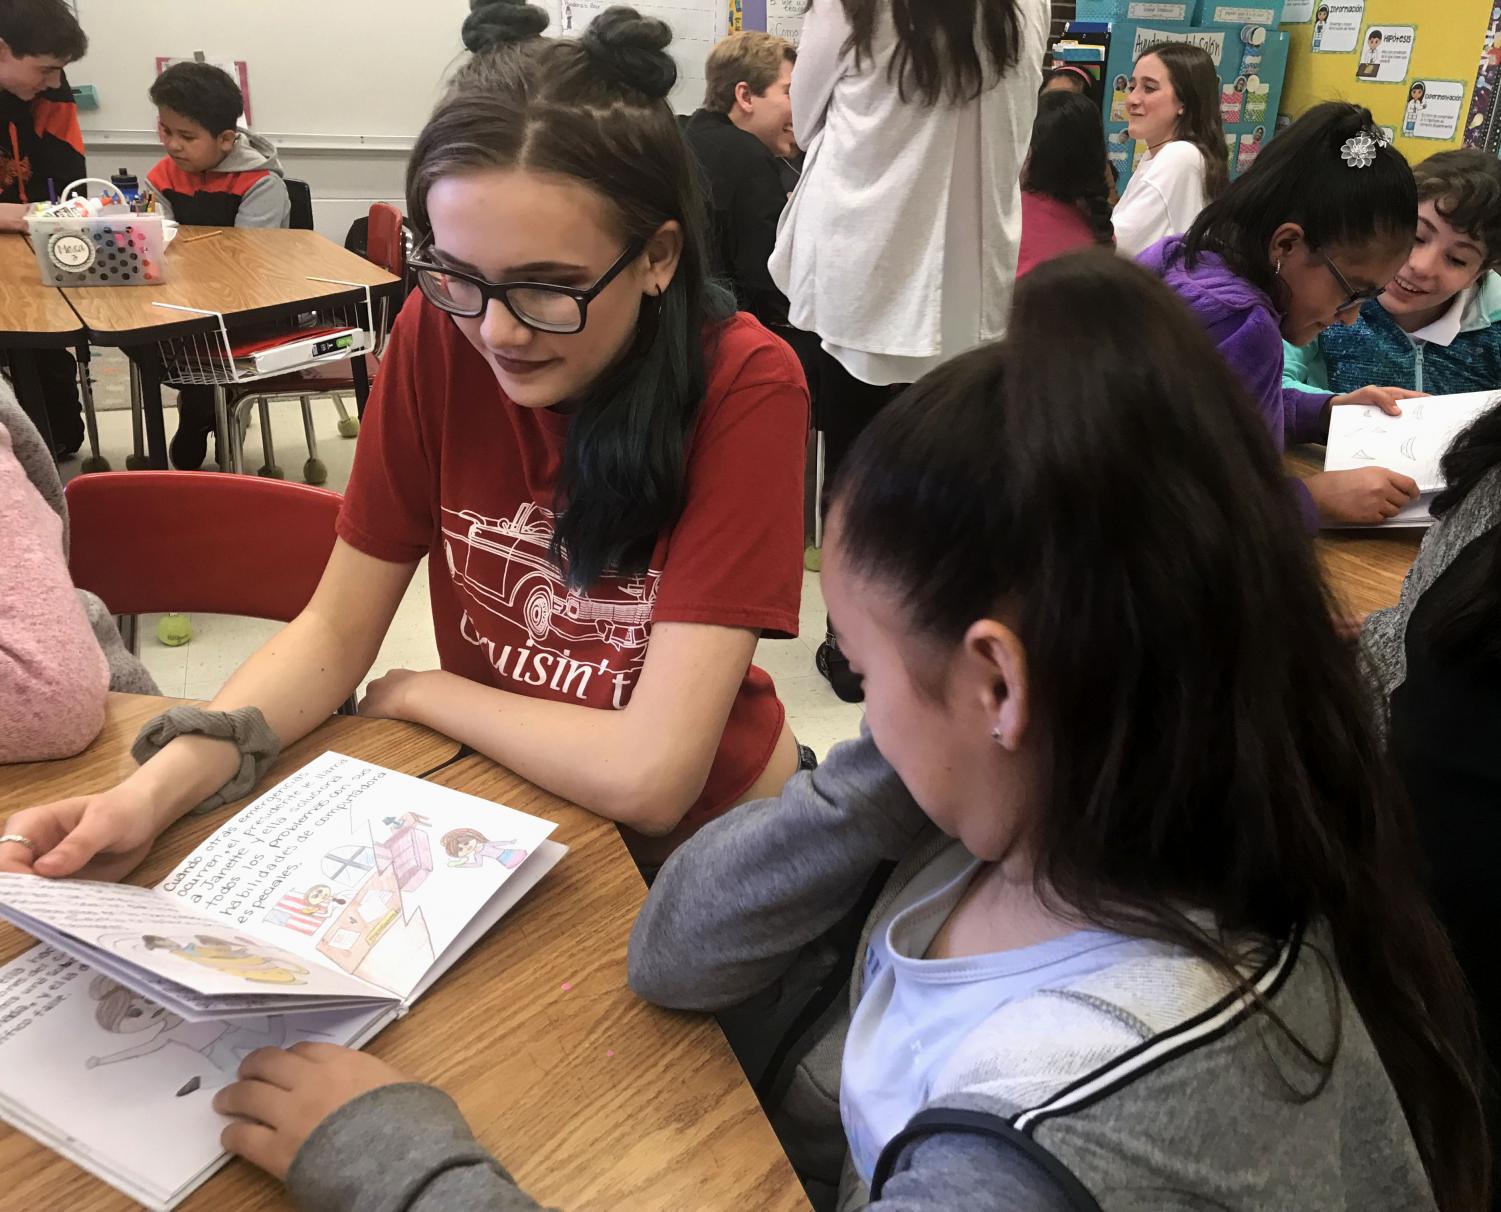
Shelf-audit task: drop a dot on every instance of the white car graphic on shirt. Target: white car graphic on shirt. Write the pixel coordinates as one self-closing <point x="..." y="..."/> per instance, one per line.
<point x="504" y="561"/>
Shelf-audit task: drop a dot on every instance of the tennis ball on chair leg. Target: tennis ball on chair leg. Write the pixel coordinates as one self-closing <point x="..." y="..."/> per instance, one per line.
<point x="174" y="630"/>
<point x="314" y="472"/>
<point x="349" y="427"/>
<point x="94" y="464"/>
<point x="272" y="472"/>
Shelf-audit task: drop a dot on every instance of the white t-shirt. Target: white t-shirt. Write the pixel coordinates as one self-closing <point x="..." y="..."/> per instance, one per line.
<point x="1163" y="198"/>
<point x="914" y="1013"/>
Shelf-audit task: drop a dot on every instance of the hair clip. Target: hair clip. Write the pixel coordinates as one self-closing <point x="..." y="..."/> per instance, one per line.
<point x="1359" y="151"/>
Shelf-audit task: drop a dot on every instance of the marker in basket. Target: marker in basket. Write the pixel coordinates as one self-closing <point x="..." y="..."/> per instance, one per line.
<point x="52" y="190"/>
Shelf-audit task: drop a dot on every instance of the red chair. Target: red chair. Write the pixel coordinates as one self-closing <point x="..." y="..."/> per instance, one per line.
<point x="386" y="246"/>
<point x="148" y="541"/>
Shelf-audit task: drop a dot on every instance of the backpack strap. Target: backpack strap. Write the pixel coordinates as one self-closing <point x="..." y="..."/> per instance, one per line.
<point x="934" y="1121"/>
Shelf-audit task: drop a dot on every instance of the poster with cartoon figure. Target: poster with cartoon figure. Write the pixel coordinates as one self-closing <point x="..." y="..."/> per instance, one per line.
<point x="1433" y="110"/>
<point x="1336" y="26"/>
<point x="1386" y="53"/>
<point x="122" y="1086"/>
<point x="1250" y="148"/>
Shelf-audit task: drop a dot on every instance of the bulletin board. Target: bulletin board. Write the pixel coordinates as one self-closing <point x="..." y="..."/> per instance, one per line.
<point x="1412" y="65"/>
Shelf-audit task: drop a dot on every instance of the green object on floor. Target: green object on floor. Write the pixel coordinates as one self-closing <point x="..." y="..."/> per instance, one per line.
<point x="272" y="472"/>
<point x="812" y="558"/>
<point x="174" y="630"/>
<point x="349" y="427"/>
<point x="93" y="464"/>
<point x="137" y="462"/>
<point x="314" y="472"/>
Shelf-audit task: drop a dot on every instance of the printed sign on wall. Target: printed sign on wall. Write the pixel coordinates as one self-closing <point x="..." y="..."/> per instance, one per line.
<point x="1432" y="109"/>
<point x="1385" y="52"/>
<point x="1336" y="26"/>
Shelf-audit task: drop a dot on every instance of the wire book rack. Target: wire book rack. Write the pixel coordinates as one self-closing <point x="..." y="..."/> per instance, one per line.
<point x="207" y="358"/>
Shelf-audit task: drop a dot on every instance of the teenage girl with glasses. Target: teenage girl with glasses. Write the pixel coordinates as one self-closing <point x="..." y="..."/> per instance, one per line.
<point x="601" y="462"/>
<point x="1319" y="225"/>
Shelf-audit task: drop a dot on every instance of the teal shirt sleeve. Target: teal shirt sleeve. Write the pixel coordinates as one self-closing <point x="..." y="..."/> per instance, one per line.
<point x="1304" y="369"/>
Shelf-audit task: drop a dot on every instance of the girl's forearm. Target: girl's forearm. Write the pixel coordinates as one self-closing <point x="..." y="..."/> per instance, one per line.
<point x="601" y="760"/>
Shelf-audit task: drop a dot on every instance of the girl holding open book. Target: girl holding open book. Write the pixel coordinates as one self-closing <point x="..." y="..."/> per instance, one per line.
<point x="1317" y="227"/>
<point x="1071" y="926"/>
<point x="601" y="462"/>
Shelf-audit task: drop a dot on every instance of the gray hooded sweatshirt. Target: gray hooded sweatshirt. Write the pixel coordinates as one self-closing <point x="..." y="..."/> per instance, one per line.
<point x="1148" y="1085"/>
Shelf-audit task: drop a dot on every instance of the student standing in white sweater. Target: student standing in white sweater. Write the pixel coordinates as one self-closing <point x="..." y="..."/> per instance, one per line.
<point x="899" y="245"/>
<point x="1173" y="108"/>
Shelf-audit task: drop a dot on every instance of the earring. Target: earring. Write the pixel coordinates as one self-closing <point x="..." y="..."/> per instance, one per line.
<point x="1279" y="267"/>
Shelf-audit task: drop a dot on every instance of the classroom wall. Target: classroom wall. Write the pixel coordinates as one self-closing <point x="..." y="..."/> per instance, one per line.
<point x="341" y="86"/>
<point x="1447" y="37"/>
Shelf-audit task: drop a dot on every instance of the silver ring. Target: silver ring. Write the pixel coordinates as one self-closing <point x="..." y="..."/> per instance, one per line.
<point x="19" y="840"/>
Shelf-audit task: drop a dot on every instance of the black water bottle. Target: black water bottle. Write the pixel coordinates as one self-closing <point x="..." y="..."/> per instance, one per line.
<point x="126" y="182"/>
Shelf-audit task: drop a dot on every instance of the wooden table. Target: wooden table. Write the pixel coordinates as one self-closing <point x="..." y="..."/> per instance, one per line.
<point x="249" y="275"/>
<point x="32" y="316"/>
<point x="1364" y="568"/>
<point x="666" y="1122"/>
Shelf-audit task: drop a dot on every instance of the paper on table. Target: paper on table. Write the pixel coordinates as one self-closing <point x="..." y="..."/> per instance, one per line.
<point x="350" y="866"/>
<point x="1413" y="443"/>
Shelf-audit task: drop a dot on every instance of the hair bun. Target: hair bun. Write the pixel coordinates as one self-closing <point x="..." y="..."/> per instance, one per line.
<point x="493" y="23"/>
<point x="633" y="49"/>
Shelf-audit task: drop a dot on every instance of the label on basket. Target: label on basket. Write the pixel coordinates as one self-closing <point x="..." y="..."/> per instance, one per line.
<point x="71" y="251"/>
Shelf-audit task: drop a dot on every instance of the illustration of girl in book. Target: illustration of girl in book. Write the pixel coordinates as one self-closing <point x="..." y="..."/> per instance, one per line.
<point x="1318" y="25"/>
<point x="470" y="848"/>
<point x="236" y="959"/>
<point x="223" y="1045"/>
<point x="1415" y="106"/>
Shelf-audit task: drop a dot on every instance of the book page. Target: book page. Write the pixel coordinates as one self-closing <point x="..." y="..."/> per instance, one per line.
<point x="153" y="933"/>
<point x="1413" y="444"/>
<point x="349" y="866"/>
<point x="121" y="1086"/>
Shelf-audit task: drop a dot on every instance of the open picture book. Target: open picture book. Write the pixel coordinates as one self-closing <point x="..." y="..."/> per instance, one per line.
<point x="1413" y="443"/>
<point x="321" y="911"/>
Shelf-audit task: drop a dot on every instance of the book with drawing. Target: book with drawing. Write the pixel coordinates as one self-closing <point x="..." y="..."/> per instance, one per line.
<point x="321" y="911"/>
<point x="1413" y="443"/>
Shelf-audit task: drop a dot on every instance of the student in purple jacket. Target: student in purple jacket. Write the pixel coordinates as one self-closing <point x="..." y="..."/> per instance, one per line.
<point x="1320" y="224"/>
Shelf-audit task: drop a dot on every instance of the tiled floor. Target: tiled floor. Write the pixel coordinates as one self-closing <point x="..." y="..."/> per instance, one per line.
<point x="220" y="643"/>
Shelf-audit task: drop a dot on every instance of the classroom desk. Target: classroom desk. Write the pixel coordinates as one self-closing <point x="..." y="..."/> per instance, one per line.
<point x="666" y="1122"/>
<point x="1365" y="568"/>
<point x="32" y="316"/>
<point x="249" y="275"/>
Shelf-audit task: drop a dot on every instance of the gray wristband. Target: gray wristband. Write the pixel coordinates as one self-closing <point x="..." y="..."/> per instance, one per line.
<point x="245" y="728"/>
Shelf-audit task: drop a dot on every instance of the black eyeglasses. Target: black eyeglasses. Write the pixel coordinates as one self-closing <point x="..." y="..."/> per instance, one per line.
<point x="539" y="305"/>
<point x="1353" y="297"/>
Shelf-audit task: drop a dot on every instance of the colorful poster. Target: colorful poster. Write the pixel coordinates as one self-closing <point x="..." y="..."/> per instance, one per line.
<point x="1232" y="100"/>
<point x="1298" y="12"/>
<point x="1120" y="93"/>
<point x="1386" y="50"/>
<point x="1336" y="26"/>
<point x="1432" y="110"/>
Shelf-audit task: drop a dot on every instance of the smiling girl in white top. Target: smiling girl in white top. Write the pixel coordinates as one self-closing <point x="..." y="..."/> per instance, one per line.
<point x="1173" y="109"/>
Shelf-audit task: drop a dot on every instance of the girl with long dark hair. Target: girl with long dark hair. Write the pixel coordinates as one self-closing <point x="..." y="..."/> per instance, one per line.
<point x="1173" y="107"/>
<point x="899" y="246"/>
<point x="1315" y="229"/>
<point x="600" y="461"/>
<point x="1114" y="905"/>
<point x="1065" y="181"/>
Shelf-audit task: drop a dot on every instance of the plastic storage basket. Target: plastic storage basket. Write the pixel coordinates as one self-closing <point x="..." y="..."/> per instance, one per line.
<point x="120" y="249"/>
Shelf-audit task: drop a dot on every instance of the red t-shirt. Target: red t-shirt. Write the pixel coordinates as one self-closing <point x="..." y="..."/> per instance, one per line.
<point x="447" y="466"/>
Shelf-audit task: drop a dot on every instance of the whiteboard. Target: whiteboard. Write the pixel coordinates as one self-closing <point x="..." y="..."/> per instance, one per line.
<point x="326" y="73"/>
